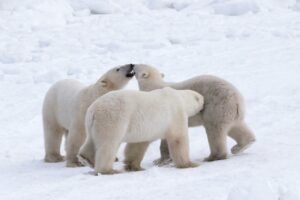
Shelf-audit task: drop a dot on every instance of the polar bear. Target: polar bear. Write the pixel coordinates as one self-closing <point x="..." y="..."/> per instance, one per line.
<point x="137" y="117"/>
<point x="223" y="112"/>
<point x="64" y="109"/>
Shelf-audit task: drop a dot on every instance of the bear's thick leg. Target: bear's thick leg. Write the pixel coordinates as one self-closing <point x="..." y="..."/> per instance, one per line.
<point x="179" y="149"/>
<point x="164" y="154"/>
<point x="216" y="135"/>
<point x="86" y="153"/>
<point x="52" y="139"/>
<point x="134" y="154"/>
<point x="105" y="157"/>
<point x="244" y="137"/>
<point x="165" y="159"/>
<point x="75" y="139"/>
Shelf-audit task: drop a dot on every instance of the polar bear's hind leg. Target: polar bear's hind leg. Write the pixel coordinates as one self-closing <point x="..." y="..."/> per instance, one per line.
<point x="75" y="139"/>
<point x="134" y="154"/>
<point x="52" y="138"/>
<point x="243" y="136"/>
<point x="216" y="135"/>
<point x="105" y="156"/>
<point x="86" y="154"/>
<point x="179" y="150"/>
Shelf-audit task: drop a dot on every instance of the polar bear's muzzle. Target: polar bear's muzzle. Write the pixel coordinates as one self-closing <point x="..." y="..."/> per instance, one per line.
<point x="130" y="73"/>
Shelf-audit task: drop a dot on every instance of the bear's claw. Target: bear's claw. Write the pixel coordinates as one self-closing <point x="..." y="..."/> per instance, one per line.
<point x="162" y="161"/>
<point x="239" y="149"/>
<point x="84" y="161"/>
<point x="53" y="158"/>
<point x="215" y="157"/>
<point x="133" y="168"/>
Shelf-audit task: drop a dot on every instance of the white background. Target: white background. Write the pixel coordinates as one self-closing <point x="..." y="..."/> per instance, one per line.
<point x="253" y="44"/>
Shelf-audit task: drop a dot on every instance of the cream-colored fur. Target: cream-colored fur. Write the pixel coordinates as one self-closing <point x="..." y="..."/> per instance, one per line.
<point x="223" y="112"/>
<point x="138" y="118"/>
<point x="64" y="111"/>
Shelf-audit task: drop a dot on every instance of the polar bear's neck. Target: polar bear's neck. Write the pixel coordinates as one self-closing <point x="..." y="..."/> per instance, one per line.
<point x="94" y="91"/>
<point x="178" y="85"/>
<point x="153" y="86"/>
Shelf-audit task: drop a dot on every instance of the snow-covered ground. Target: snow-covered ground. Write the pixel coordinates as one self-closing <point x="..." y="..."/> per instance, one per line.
<point x="253" y="44"/>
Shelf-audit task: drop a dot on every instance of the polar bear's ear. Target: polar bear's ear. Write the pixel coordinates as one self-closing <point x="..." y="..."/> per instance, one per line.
<point x="145" y="74"/>
<point x="162" y="75"/>
<point x="199" y="99"/>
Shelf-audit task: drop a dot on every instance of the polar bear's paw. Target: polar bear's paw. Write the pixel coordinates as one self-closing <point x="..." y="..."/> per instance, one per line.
<point x="131" y="167"/>
<point x="192" y="165"/>
<point x="215" y="157"/>
<point x="110" y="172"/>
<point x="162" y="161"/>
<point x="239" y="148"/>
<point x="188" y="165"/>
<point x="74" y="164"/>
<point x="84" y="161"/>
<point x="52" y="158"/>
<point x="93" y="173"/>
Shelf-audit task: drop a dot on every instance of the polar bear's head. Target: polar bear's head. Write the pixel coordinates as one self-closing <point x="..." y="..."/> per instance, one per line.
<point x="192" y="101"/>
<point x="117" y="77"/>
<point x="148" y="77"/>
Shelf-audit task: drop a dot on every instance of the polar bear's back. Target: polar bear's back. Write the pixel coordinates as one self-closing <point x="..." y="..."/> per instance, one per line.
<point x="130" y="103"/>
<point x="221" y="97"/>
<point x="145" y="116"/>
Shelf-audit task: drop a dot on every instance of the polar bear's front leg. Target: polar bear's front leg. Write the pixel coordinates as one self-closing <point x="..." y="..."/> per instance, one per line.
<point x="75" y="139"/>
<point x="179" y="147"/>
<point x="134" y="154"/>
<point x="164" y="154"/>
<point x="105" y="156"/>
<point x="86" y="153"/>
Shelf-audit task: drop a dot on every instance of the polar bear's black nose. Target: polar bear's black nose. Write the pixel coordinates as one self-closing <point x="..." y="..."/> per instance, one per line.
<point x="130" y="72"/>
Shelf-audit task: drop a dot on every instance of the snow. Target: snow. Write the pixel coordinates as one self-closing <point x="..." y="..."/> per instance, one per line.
<point x="253" y="44"/>
<point x="235" y="8"/>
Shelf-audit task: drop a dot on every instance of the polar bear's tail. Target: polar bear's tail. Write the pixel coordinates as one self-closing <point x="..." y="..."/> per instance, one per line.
<point x="89" y="120"/>
<point x="87" y="152"/>
<point x="240" y="108"/>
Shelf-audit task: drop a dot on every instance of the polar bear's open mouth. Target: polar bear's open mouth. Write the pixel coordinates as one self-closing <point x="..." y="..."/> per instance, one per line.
<point x="130" y="73"/>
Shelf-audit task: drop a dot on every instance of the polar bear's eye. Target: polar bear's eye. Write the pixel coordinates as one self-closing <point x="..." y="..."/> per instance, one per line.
<point x="118" y="69"/>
